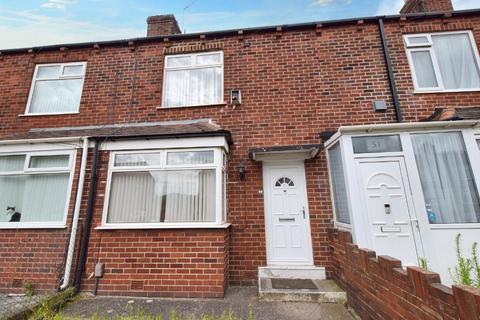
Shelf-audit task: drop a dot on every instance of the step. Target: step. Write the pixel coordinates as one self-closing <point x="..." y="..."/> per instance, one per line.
<point x="298" y="283"/>
<point x="301" y="290"/>
<point x="292" y="272"/>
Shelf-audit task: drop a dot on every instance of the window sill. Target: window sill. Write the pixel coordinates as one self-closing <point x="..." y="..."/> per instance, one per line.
<point x="445" y="91"/>
<point x="455" y="226"/>
<point x="47" y="114"/>
<point x="223" y="104"/>
<point x="164" y="226"/>
<point x="33" y="225"/>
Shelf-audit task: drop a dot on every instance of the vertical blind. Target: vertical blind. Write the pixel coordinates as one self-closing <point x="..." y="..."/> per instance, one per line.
<point x="338" y="184"/>
<point x="39" y="197"/>
<point x="448" y="185"/>
<point x="162" y="196"/>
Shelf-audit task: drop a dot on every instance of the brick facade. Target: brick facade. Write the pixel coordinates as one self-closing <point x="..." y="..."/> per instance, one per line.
<point x="379" y="288"/>
<point x="295" y="83"/>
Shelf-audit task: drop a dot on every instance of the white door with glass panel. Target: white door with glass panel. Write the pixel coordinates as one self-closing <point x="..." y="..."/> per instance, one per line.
<point x="286" y="215"/>
<point x="393" y="225"/>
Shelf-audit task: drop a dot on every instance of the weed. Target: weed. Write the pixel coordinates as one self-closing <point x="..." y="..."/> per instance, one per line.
<point x="28" y="289"/>
<point x="467" y="270"/>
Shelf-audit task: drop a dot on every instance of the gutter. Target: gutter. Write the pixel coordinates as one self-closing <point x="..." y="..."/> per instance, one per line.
<point x="88" y="219"/>
<point x="235" y="32"/>
<point x="76" y="215"/>
<point x="391" y="77"/>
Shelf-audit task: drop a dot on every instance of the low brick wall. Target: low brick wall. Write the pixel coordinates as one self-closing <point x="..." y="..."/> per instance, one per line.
<point x="379" y="288"/>
<point x="167" y="263"/>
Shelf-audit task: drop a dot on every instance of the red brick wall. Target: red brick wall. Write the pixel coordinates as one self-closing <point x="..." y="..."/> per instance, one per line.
<point x="379" y="288"/>
<point x="173" y="263"/>
<point x="36" y="256"/>
<point x="294" y="85"/>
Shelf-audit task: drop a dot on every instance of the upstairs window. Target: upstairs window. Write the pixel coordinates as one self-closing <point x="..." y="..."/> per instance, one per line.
<point x="56" y="88"/>
<point x="193" y="79"/>
<point x="444" y="61"/>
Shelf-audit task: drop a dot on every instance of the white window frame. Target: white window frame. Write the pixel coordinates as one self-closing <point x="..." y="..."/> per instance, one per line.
<point x="60" y="77"/>
<point x="217" y="165"/>
<point x="336" y="222"/>
<point x="409" y="48"/>
<point x="193" y="66"/>
<point x="28" y="171"/>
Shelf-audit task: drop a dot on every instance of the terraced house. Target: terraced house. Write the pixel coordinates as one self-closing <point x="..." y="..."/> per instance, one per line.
<point x="177" y="164"/>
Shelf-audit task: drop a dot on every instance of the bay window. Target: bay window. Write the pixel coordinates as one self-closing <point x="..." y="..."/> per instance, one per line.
<point x="445" y="61"/>
<point x="164" y="187"/>
<point x="35" y="188"/>
<point x="193" y="79"/>
<point x="56" y="88"/>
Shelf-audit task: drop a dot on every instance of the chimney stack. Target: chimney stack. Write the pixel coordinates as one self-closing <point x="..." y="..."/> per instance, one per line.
<point x="162" y="25"/>
<point x="421" y="6"/>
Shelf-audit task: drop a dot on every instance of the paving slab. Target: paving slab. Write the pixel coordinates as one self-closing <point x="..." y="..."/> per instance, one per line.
<point x="237" y="299"/>
<point x="12" y="305"/>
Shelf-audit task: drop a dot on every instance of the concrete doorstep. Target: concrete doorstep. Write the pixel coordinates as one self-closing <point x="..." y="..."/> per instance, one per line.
<point x="237" y="299"/>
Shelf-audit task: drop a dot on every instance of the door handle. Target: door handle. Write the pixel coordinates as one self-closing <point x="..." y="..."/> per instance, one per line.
<point x="415" y="222"/>
<point x="303" y="210"/>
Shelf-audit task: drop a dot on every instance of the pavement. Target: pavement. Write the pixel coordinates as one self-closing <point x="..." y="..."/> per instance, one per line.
<point x="237" y="299"/>
<point x="11" y="305"/>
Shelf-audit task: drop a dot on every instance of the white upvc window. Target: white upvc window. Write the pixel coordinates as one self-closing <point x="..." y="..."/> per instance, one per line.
<point x="338" y="184"/>
<point x="193" y="79"/>
<point x="56" y="88"/>
<point x="443" y="62"/>
<point x="165" y="188"/>
<point x="35" y="189"/>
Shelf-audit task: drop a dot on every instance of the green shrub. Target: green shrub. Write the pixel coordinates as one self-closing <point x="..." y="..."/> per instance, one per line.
<point x="467" y="270"/>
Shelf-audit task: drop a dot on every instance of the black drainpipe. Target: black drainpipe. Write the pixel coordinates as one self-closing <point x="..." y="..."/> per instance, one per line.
<point x="393" y="85"/>
<point x="88" y="219"/>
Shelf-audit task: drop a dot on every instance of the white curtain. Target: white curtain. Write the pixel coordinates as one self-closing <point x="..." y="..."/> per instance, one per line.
<point x="193" y="87"/>
<point x="446" y="177"/>
<point x="53" y="96"/>
<point x="456" y="61"/>
<point x="424" y="71"/>
<point x="135" y="197"/>
<point x="190" y="196"/>
<point x="162" y="196"/>
<point x="338" y="184"/>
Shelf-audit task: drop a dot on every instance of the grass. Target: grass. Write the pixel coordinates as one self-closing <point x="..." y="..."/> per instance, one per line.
<point x="49" y="310"/>
<point x="467" y="269"/>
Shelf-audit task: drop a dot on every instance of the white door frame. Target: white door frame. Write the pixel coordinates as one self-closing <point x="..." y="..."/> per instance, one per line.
<point x="267" y="214"/>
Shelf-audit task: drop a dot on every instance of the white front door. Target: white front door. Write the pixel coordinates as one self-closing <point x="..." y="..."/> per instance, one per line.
<point x="287" y="220"/>
<point x="393" y="226"/>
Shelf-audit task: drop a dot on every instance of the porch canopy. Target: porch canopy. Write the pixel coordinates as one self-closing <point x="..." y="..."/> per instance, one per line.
<point x="302" y="151"/>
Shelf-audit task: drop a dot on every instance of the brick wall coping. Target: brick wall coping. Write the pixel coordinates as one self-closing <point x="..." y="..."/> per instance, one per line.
<point x="379" y="285"/>
<point x="238" y="32"/>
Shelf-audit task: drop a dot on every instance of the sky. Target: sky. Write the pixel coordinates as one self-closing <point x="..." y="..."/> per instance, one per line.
<point x="27" y="23"/>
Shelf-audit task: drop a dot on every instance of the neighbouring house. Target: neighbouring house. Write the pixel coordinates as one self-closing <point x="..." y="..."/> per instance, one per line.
<point x="177" y="164"/>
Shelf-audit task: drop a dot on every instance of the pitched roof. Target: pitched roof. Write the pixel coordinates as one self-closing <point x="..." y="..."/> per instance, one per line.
<point x="452" y="114"/>
<point x="169" y="129"/>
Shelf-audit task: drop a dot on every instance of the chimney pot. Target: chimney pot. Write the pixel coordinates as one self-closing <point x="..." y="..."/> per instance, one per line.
<point x="162" y="25"/>
<point x="420" y="6"/>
